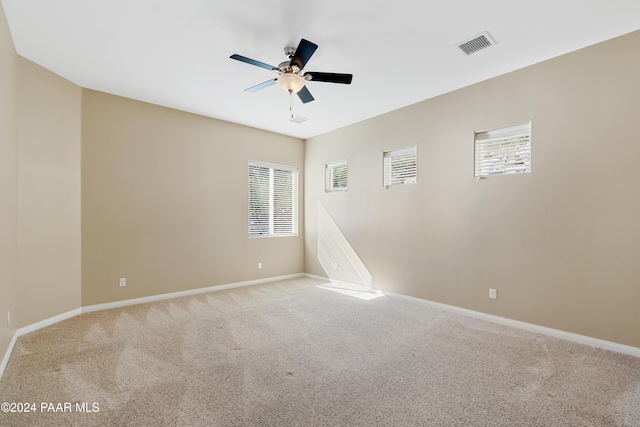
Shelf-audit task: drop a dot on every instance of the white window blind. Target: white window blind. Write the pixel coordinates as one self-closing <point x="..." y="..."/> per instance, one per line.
<point x="336" y="176"/>
<point x="273" y="195"/>
<point x="400" y="167"/>
<point x="503" y="151"/>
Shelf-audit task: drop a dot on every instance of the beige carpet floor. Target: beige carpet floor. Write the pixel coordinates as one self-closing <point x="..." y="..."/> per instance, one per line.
<point x="291" y="354"/>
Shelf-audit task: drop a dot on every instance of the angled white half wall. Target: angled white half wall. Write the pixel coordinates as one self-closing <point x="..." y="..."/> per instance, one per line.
<point x="340" y="262"/>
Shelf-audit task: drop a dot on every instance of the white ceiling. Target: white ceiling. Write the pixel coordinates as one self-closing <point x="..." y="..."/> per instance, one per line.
<point x="176" y="52"/>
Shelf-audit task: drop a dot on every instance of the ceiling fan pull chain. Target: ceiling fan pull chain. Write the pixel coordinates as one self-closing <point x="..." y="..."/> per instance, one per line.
<point x="291" y="102"/>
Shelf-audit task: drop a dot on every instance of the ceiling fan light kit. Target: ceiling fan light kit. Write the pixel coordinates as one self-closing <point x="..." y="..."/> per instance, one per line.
<point x="290" y="82"/>
<point x="291" y="77"/>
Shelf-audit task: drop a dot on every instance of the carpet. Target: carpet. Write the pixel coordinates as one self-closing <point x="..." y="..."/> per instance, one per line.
<point x="291" y="354"/>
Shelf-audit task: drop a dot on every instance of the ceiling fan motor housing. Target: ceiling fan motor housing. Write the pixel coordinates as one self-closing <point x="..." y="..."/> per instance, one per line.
<point x="289" y="51"/>
<point x="285" y="67"/>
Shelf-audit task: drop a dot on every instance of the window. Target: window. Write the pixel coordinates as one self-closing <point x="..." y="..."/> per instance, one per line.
<point x="503" y="151"/>
<point x="273" y="200"/>
<point x="336" y="176"/>
<point x="400" y="167"/>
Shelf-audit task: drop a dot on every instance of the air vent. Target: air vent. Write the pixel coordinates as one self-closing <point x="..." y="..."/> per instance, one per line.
<point x="477" y="43"/>
<point x="298" y="119"/>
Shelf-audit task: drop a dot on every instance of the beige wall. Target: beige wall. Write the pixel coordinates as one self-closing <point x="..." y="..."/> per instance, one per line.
<point x="40" y="125"/>
<point x="8" y="181"/>
<point x="164" y="201"/>
<point x="561" y="245"/>
<point x="49" y="123"/>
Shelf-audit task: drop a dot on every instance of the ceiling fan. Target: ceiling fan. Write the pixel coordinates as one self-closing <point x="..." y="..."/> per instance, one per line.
<point x="291" y="77"/>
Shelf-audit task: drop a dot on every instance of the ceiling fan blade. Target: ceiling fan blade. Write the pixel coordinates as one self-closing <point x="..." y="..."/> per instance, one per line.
<point x="303" y="53"/>
<point x="305" y="95"/>
<point x="253" y="62"/>
<point x="261" y="85"/>
<point x="330" y="77"/>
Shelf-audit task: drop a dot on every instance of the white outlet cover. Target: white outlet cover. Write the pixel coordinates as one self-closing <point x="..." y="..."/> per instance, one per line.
<point x="493" y="294"/>
<point x="123" y="281"/>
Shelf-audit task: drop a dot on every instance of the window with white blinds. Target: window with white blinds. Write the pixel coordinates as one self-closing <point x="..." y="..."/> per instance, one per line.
<point x="336" y="176"/>
<point x="400" y="167"/>
<point x="503" y="151"/>
<point x="273" y="200"/>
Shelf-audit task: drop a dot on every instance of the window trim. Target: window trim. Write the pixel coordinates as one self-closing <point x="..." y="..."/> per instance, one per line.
<point x="294" y="202"/>
<point x="394" y="153"/>
<point x="503" y="159"/>
<point x="329" y="169"/>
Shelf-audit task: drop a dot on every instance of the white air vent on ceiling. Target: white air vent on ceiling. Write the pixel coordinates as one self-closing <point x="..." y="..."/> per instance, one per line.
<point x="298" y="119"/>
<point x="477" y="43"/>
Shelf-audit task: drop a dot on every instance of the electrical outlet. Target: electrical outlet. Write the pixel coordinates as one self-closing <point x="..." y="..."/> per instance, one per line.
<point x="123" y="281"/>
<point x="9" y="318"/>
<point x="259" y="266"/>
<point x="493" y="294"/>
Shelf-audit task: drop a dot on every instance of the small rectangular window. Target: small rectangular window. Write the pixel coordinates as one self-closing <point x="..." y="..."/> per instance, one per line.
<point x="336" y="176"/>
<point x="400" y="166"/>
<point x="273" y="200"/>
<point x="503" y="151"/>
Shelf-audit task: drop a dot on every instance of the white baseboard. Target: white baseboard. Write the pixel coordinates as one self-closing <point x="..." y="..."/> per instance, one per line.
<point x="350" y="286"/>
<point x="315" y="277"/>
<point x="7" y="355"/>
<point x="48" y="322"/>
<point x="556" y="333"/>
<point x="581" y="339"/>
<point x="343" y="285"/>
<point x="64" y="316"/>
<point x="31" y="328"/>
<point x="160" y="297"/>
